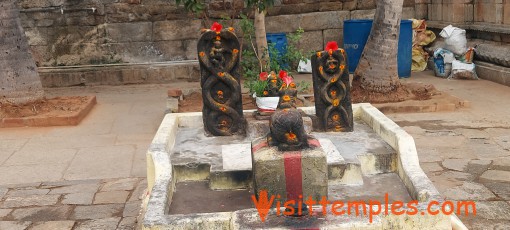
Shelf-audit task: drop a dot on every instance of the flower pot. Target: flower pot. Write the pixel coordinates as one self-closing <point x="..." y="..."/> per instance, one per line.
<point x="267" y="104"/>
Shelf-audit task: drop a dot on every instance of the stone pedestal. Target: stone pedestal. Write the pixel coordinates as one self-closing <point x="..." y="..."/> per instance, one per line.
<point x="290" y="174"/>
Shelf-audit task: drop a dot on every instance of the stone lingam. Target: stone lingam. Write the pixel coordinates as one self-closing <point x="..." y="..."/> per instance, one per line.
<point x="218" y="55"/>
<point x="288" y="163"/>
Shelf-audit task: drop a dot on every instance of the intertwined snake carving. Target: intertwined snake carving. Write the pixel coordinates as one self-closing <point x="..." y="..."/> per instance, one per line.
<point x="332" y="90"/>
<point x="218" y="54"/>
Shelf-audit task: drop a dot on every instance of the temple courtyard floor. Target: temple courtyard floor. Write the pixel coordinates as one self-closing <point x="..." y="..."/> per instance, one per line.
<point x="92" y="176"/>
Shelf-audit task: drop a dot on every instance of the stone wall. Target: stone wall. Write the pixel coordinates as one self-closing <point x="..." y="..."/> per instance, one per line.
<point x="487" y="20"/>
<point x="83" y="32"/>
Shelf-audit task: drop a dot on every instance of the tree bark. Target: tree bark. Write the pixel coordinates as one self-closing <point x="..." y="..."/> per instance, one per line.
<point x="19" y="80"/>
<point x="260" y="37"/>
<point x="377" y="67"/>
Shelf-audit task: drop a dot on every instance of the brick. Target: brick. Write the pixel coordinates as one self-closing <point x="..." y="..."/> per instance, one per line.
<point x="174" y="92"/>
<point x="123" y="184"/>
<point x="14" y="225"/>
<point x="77" y="188"/>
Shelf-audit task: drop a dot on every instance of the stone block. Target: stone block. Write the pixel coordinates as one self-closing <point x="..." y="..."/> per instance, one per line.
<point x="408" y="12"/>
<point x="311" y="41"/>
<point x="305" y="171"/>
<point x="31" y="200"/>
<point x="107" y="223"/>
<point x="324" y="20"/>
<point x="495" y="176"/>
<point x="97" y="211"/>
<point x="506" y="12"/>
<point x="46" y="213"/>
<point x="129" y="32"/>
<point x="330" y="6"/>
<point x="61" y="225"/>
<point x="421" y="11"/>
<point x="111" y="197"/>
<point x="78" y="198"/>
<point x="124" y="184"/>
<point x="283" y="23"/>
<point x="176" y="30"/>
<point x="336" y="35"/>
<point x="435" y="12"/>
<point x="363" y="14"/>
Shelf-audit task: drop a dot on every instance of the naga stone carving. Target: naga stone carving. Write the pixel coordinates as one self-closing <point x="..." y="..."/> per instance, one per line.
<point x="332" y="89"/>
<point x="218" y="55"/>
<point x="288" y="92"/>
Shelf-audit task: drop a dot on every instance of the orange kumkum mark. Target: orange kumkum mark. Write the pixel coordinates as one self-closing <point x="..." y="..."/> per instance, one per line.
<point x="290" y="136"/>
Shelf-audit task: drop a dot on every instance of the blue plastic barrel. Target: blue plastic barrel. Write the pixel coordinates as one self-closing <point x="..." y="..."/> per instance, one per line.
<point x="356" y="34"/>
<point x="279" y="40"/>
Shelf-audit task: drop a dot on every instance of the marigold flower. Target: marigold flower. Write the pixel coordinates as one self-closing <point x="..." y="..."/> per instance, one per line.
<point x="290" y="136"/>
<point x="286" y="98"/>
<point x="223" y="109"/>
<point x="218" y="38"/>
<point x="342" y="67"/>
<point x="216" y="27"/>
<point x="221" y="74"/>
<point x="235" y="51"/>
<point x="231" y="29"/>
<point x="202" y="54"/>
<point x="265" y="93"/>
<point x="319" y="54"/>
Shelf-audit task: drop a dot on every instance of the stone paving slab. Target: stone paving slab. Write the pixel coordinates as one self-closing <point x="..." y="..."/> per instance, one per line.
<point x="81" y="204"/>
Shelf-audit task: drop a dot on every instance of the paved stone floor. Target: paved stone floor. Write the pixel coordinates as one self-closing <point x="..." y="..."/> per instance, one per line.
<point x="91" y="176"/>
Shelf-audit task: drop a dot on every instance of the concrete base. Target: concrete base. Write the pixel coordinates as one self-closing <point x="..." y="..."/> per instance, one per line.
<point x="175" y="156"/>
<point x="491" y="72"/>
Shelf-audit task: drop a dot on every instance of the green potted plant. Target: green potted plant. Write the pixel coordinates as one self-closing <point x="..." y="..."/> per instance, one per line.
<point x="265" y="90"/>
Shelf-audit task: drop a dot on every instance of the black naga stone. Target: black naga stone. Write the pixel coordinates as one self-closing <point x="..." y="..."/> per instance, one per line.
<point x="332" y="90"/>
<point x="287" y="130"/>
<point x="288" y="94"/>
<point x="218" y="54"/>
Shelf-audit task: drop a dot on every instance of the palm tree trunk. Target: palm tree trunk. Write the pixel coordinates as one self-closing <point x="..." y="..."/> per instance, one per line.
<point x="19" y="80"/>
<point x="260" y="37"/>
<point x="377" y="67"/>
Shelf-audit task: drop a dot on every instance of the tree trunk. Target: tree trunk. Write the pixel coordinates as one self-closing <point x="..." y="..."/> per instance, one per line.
<point x="260" y="37"/>
<point x="377" y="67"/>
<point x="19" y="80"/>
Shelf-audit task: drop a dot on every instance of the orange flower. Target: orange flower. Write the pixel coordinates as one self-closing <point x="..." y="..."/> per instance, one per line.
<point x="266" y="93"/>
<point x="319" y="54"/>
<point x="290" y="136"/>
<point x="201" y="54"/>
<point x="220" y="93"/>
<point x="216" y="27"/>
<point x="333" y="93"/>
<point x="221" y="74"/>
<point x="336" y="102"/>
<point x="231" y="29"/>
<point x="333" y="79"/>
<point x="223" y="109"/>
<point x="286" y="98"/>
<point x="235" y="51"/>
<point x="218" y="38"/>
<point x="342" y="67"/>
<point x="331" y="66"/>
